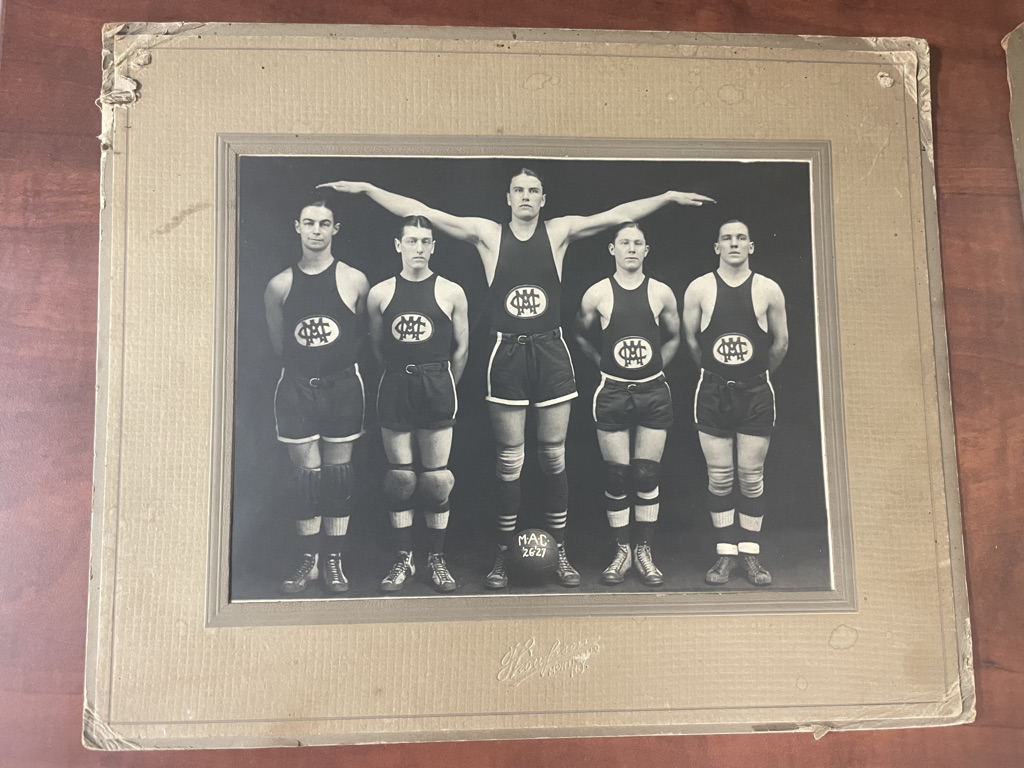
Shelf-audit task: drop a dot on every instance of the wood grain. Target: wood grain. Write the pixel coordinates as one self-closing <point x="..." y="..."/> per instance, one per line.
<point x="49" y="187"/>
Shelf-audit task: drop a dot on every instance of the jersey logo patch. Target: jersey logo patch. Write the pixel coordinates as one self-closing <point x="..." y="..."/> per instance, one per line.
<point x="411" y="327"/>
<point x="316" y="331"/>
<point x="526" y="301"/>
<point x="632" y="352"/>
<point x="733" y="349"/>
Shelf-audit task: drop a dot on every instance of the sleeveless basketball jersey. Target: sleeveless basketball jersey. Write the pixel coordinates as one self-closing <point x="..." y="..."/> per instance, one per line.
<point x="631" y="344"/>
<point x="416" y="329"/>
<point x="321" y="334"/>
<point x="733" y="345"/>
<point x="525" y="293"/>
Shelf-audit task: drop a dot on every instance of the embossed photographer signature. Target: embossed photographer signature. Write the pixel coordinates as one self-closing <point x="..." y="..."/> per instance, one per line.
<point x="523" y="660"/>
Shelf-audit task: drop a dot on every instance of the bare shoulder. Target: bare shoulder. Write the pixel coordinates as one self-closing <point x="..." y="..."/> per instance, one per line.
<point x="661" y="291"/>
<point x="382" y="290"/>
<point x="700" y="287"/>
<point x="448" y="289"/>
<point x="767" y="288"/>
<point x="596" y="293"/>
<point x="280" y="283"/>
<point x="352" y="276"/>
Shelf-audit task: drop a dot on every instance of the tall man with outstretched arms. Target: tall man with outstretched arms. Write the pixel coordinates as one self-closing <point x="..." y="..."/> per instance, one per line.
<point x="529" y="363"/>
<point x="734" y="321"/>
<point x="632" y="405"/>
<point x="314" y="315"/>
<point x="420" y="330"/>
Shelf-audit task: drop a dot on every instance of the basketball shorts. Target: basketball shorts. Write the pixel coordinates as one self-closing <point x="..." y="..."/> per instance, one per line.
<point x="620" y="404"/>
<point x="417" y="397"/>
<point x="530" y="369"/>
<point x="328" y="408"/>
<point x="725" y="408"/>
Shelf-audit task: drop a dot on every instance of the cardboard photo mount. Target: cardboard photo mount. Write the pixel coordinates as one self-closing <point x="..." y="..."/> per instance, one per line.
<point x="162" y="674"/>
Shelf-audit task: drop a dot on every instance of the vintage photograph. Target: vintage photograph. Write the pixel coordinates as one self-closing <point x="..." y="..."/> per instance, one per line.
<point x="492" y="376"/>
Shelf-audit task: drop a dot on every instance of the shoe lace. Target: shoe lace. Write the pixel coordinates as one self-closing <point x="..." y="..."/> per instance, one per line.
<point x="303" y="569"/>
<point x="753" y="564"/>
<point x="333" y="566"/>
<point x="643" y="554"/>
<point x="499" y="565"/>
<point x="563" y="559"/>
<point x="721" y="564"/>
<point x="398" y="568"/>
<point x="440" y="568"/>
<point x="620" y="558"/>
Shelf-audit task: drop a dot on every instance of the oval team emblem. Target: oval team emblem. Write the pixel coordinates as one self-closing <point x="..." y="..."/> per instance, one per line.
<point x="316" y="331"/>
<point x="526" y="301"/>
<point x="733" y="349"/>
<point x="411" y="327"/>
<point x="632" y="352"/>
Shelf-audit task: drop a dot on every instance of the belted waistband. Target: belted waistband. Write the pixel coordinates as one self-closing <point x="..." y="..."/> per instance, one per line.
<point x="636" y="386"/>
<point x="734" y="384"/>
<point x="440" y="365"/>
<point x="529" y="338"/>
<point x="324" y="380"/>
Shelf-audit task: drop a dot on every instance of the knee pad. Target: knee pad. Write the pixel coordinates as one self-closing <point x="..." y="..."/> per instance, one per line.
<point x="307" y="482"/>
<point x="751" y="481"/>
<point x="551" y="457"/>
<point x="399" y="486"/>
<point x="720" y="480"/>
<point x="616" y="485"/>
<point x="510" y="461"/>
<point x="433" y="487"/>
<point x="646" y="475"/>
<point x="335" y="489"/>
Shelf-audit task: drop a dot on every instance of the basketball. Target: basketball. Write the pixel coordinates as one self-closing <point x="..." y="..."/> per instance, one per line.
<point x="534" y="555"/>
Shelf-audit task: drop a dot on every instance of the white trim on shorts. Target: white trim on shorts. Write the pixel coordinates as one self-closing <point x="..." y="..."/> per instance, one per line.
<point x="572" y="395"/>
<point x="568" y="354"/>
<point x="695" y="394"/>
<point x="593" y="410"/>
<point x="490" y="362"/>
<point x="633" y="381"/>
<point x="277" y="430"/>
<point x="557" y="400"/>
<point x="362" y="418"/>
<point x="455" y="390"/>
<point x="768" y="381"/>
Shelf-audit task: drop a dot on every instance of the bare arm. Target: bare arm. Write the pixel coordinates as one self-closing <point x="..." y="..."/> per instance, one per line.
<point x="376" y="316"/>
<point x="570" y="228"/>
<point x="777" y="327"/>
<point x="273" y="303"/>
<point x="586" y="318"/>
<point x="669" y="322"/>
<point x="460" y="333"/>
<point x="468" y="229"/>
<point x="691" y="320"/>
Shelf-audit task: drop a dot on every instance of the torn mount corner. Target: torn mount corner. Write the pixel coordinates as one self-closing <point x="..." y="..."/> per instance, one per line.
<point x="97" y="734"/>
<point x="120" y="88"/>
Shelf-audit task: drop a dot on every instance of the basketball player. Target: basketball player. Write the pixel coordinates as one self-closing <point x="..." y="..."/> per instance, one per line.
<point x="635" y="312"/>
<point x="529" y="362"/>
<point x="314" y="314"/>
<point x="420" y="331"/>
<point x="735" y="326"/>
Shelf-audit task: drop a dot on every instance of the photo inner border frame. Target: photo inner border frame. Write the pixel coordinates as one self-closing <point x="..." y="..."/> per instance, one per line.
<point x="221" y="611"/>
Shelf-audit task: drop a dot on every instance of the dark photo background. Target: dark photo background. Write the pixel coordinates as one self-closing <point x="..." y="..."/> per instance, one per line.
<point x="772" y="197"/>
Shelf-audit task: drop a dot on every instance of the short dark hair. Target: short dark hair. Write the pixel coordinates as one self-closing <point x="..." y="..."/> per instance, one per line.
<point x="733" y="221"/>
<point x="524" y="171"/>
<point x="415" y="221"/>
<point x="319" y="197"/>
<point x="627" y="225"/>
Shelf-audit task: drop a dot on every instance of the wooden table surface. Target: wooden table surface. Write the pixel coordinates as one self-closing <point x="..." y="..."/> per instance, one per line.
<point x="49" y="213"/>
